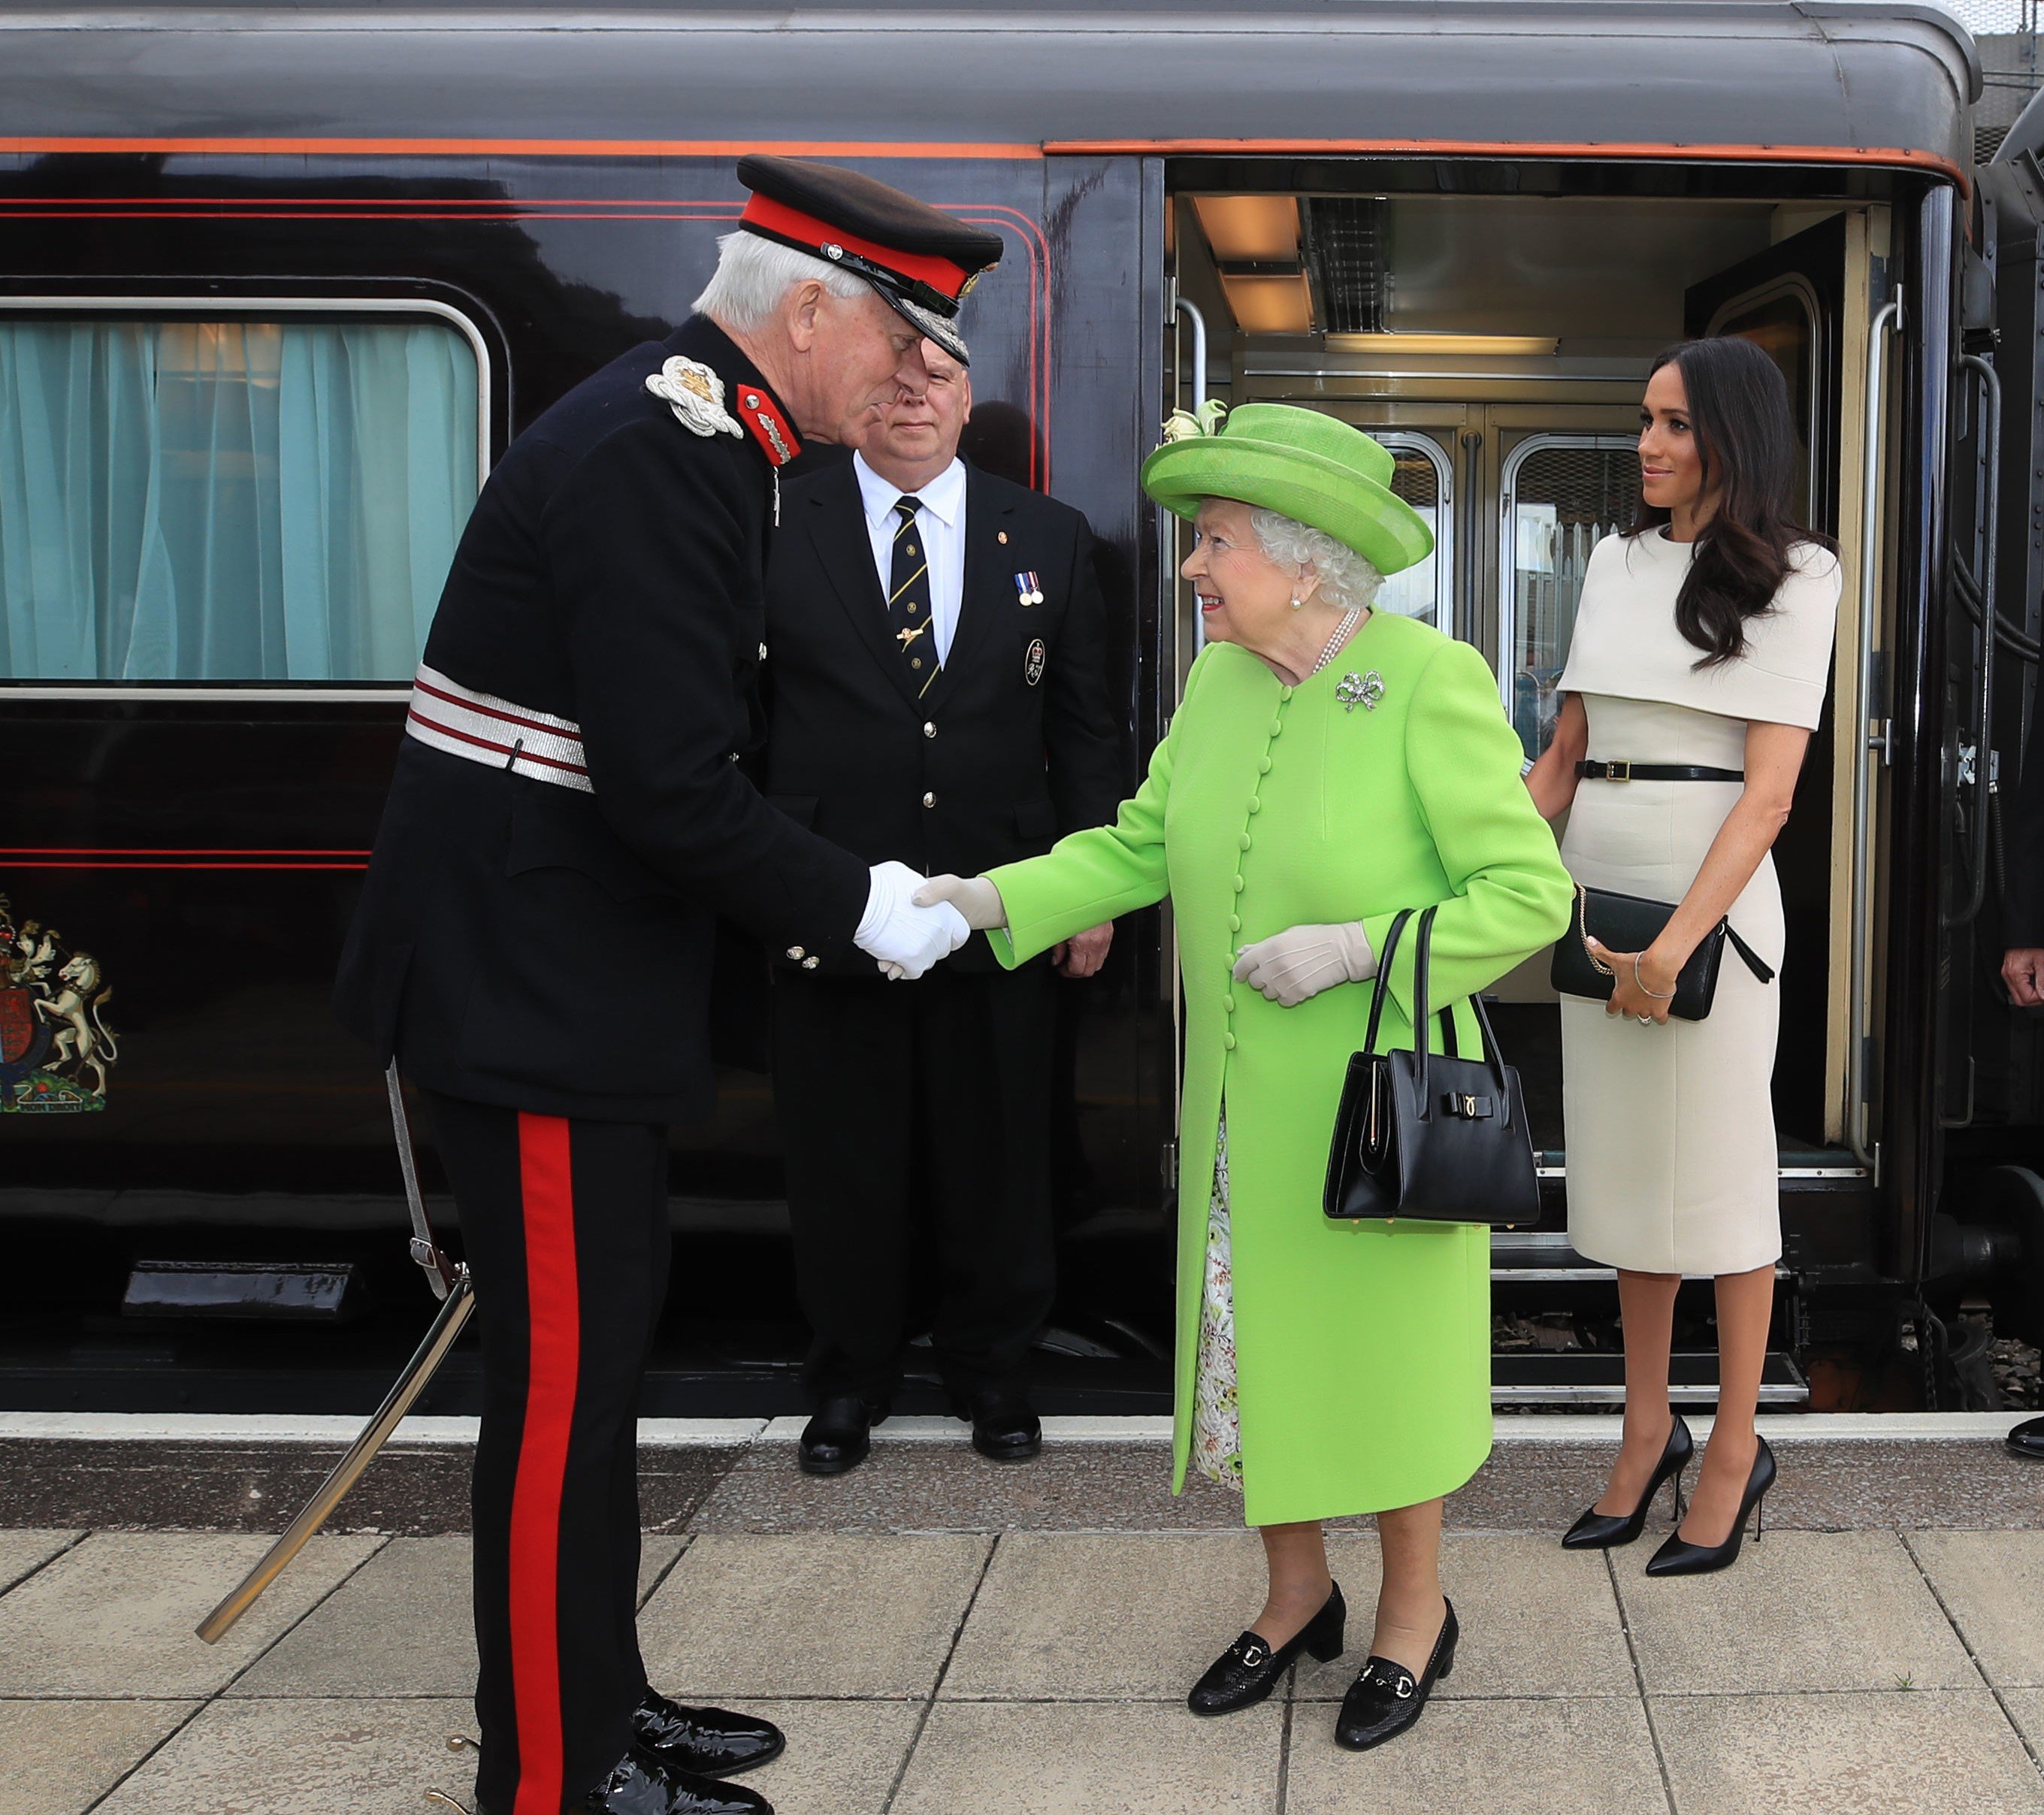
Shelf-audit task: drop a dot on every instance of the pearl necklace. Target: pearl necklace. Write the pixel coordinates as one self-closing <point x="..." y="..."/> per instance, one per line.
<point x="1335" y="641"/>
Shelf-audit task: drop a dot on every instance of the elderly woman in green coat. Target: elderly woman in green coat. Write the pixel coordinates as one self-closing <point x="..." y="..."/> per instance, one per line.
<point x="1327" y="767"/>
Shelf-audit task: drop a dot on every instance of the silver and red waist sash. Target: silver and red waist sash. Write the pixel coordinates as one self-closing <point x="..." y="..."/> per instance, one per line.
<point x="496" y="733"/>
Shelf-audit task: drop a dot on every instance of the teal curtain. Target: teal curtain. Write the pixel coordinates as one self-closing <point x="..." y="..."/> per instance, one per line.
<point x="228" y="501"/>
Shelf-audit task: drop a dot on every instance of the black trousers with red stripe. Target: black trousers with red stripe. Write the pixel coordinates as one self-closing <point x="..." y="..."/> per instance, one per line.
<point x="565" y="1227"/>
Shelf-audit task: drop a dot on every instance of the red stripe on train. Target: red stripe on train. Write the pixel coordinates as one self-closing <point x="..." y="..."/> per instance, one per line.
<point x="553" y="1310"/>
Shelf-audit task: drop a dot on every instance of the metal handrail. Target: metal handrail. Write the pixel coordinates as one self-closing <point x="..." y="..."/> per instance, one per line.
<point x="1990" y="524"/>
<point x="1858" y="1015"/>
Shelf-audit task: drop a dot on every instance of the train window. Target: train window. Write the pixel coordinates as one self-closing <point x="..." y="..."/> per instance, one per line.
<point x="1421" y="476"/>
<point x="1563" y="494"/>
<point x="190" y="498"/>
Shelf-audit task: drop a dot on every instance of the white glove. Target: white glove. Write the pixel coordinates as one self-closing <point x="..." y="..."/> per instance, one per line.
<point x="974" y="896"/>
<point x="1301" y="961"/>
<point x="906" y="937"/>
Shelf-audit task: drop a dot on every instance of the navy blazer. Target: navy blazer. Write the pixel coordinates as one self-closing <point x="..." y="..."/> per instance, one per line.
<point x="1020" y="740"/>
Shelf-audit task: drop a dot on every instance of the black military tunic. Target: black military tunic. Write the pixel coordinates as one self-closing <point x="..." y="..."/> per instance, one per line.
<point x="531" y="945"/>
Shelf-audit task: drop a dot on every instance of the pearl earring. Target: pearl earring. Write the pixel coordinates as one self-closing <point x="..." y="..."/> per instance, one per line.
<point x="1298" y="605"/>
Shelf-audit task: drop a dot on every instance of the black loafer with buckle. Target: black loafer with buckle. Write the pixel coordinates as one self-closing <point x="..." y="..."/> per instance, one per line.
<point x="1386" y="1698"/>
<point x="1245" y="1673"/>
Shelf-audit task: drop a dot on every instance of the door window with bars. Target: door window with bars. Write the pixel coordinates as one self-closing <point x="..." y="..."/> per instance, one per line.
<point x="1563" y="494"/>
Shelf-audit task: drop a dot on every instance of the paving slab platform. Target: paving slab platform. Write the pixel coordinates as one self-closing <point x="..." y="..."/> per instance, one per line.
<point x="941" y="1635"/>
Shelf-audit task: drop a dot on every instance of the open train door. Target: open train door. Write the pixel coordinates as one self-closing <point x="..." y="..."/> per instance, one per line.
<point x="1990" y="1065"/>
<point x="1805" y="301"/>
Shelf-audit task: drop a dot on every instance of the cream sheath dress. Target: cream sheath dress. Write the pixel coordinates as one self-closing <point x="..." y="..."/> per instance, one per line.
<point x="1670" y="1129"/>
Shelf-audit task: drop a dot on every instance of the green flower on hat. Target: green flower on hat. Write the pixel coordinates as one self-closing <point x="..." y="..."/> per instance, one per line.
<point x="1299" y="463"/>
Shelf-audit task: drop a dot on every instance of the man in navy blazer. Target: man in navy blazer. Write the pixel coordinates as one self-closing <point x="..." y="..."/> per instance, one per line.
<point x="937" y="695"/>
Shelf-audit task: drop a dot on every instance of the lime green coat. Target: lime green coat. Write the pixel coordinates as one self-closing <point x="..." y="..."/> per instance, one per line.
<point x="1363" y="1351"/>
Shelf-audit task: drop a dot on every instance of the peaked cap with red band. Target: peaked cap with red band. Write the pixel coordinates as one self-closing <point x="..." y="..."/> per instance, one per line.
<point x="920" y="260"/>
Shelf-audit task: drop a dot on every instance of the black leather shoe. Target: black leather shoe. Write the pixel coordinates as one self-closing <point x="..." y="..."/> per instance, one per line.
<point x="1245" y="1673"/>
<point x="637" y="1784"/>
<point x="1679" y="1557"/>
<point x="1605" y="1531"/>
<point x="1386" y="1698"/>
<point x="835" y="1438"/>
<point x="2027" y="1439"/>
<point x="708" y="1741"/>
<point x="1004" y="1428"/>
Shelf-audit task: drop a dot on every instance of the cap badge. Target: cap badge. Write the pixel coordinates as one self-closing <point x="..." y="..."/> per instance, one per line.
<point x="830" y="249"/>
<point x="695" y="393"/>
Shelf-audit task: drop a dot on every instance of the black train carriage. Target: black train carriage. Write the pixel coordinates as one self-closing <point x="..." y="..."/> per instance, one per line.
<point x="272" y="297"/>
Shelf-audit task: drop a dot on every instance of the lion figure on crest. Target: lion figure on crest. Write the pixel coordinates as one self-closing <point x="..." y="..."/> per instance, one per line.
<point x="85" y="1044"/>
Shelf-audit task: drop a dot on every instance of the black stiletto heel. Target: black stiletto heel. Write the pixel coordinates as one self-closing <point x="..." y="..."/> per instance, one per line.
<point x="1244" y="1673"/>
<point x="1679" y="1557"/>
<point x="1605" y="1531"/>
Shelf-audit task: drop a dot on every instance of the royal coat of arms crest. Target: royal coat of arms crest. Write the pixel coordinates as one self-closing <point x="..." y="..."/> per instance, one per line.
<point x="54" y="1043"/>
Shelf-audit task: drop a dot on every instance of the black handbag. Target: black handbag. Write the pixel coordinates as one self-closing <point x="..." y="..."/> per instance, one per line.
<point x="1433" y="1138"/>
<point x="1629" y="923"/>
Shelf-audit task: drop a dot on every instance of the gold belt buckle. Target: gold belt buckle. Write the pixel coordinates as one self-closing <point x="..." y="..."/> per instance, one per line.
<point x="1618" y="771"/>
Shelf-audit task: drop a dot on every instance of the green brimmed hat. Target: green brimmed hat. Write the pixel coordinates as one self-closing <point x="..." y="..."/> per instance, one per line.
<point x="1304" y="465"/>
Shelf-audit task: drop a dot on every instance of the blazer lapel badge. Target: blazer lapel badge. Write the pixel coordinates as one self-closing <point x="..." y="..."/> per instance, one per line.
<point x="1033" y="663"/>
<point x="695" y="393"/>
<point x="1028" y="590"/>
<point x="1364" y="691"/>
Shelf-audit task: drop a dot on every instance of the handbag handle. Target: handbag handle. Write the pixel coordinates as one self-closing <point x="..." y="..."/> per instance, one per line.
<point x="1423" y="963"/>
<point x="1383" y="983"/>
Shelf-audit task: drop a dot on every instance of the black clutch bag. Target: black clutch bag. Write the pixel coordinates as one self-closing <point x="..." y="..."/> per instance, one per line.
<point x="1431" y="1137"/>
<point x="1629" y="923"/>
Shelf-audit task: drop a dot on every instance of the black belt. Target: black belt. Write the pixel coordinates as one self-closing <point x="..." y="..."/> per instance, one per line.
<point x="1623" y="771"/>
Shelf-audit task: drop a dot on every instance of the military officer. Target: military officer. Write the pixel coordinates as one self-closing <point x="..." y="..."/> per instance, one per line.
<point x="568" y="764"/>
<point x="938" y="693"/>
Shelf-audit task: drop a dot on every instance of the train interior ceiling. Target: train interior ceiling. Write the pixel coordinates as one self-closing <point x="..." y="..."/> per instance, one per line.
<point x="1498" y="345"/>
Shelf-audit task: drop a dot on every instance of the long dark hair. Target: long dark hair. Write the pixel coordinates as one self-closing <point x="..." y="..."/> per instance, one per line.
<point x="1739" y="412"/>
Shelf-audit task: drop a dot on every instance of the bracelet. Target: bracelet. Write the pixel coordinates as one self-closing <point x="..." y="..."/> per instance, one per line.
<point x="1655" y="994"/>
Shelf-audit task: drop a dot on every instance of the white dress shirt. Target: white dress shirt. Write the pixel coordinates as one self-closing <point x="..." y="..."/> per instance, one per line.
<point x="941" y="522"/>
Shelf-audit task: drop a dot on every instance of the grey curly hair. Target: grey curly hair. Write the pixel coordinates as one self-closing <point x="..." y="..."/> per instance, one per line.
<point x="1347" y="579"/>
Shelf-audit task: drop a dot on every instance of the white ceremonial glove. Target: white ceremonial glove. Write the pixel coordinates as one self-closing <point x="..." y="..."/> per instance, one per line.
<point x="974" y="896"/>
<point x="1301" y="961"/>
<point x="906" y="937"/>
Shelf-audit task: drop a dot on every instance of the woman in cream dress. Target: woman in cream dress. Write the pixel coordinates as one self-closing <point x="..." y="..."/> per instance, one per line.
<point x="1702" y="644"/>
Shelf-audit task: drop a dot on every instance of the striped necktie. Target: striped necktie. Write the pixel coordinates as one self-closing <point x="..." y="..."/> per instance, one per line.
<point x="909" y="597"/>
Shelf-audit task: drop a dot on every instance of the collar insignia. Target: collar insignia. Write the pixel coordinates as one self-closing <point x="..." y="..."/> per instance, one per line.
<point x="770" y="428"/>
<point x="695" y="393"/>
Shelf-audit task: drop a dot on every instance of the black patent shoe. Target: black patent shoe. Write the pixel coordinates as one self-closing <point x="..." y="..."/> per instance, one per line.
<point x="637" y="1784"/>
<point x="1605" y="1531"/>
<point x="836" y="1438"/>
<point x="1245" y="1673"/>
<point x="709" y="1741"/>
<point x="2027" y="1439"/>
<point x="1005" y="1428"/>
<point x="1679" y="1557"/>
<point x="1385" y="1698"/>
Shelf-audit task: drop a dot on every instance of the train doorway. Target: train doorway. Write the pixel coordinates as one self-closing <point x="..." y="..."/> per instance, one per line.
<point x="1498" y="344"/>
